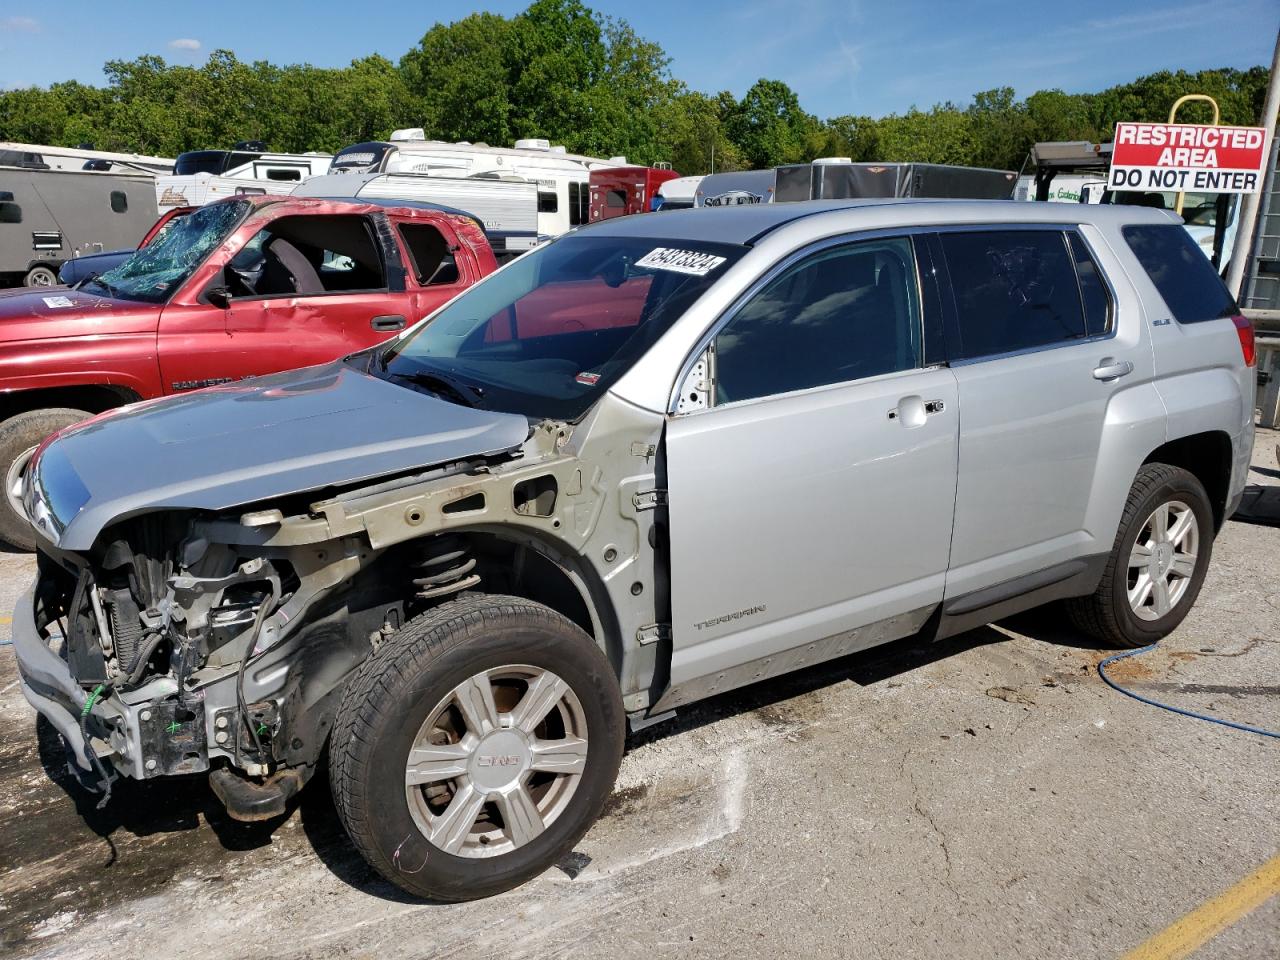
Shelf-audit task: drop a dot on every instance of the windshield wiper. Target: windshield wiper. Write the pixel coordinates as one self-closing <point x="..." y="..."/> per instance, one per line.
<point x="97" y="278"/>
<point x="444" y="386"/>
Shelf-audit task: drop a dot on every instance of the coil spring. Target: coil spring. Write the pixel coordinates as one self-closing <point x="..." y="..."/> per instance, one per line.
<point x="446" y="568"/>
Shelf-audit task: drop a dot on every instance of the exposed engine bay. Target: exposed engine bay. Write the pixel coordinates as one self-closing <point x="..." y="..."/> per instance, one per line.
<point x="221" y="642"/>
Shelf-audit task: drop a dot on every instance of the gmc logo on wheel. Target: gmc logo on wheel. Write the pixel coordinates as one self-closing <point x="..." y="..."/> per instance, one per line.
<point x="505" y="761"/>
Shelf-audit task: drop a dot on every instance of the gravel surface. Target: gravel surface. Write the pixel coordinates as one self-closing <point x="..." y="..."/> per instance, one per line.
<point x="983" y="797"/>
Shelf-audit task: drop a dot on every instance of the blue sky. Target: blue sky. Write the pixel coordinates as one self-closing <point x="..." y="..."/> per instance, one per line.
<point x="841" y="56"/>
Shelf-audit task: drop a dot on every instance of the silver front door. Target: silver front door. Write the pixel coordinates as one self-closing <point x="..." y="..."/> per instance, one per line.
<point x="811" y="508"/>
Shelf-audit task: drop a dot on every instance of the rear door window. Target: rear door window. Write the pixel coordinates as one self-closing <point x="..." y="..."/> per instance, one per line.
<point x="1190" y="286"/>
<point x="1093" y="291"/>
<point x="430" y="254"/>
<point x="1014" y="290"/>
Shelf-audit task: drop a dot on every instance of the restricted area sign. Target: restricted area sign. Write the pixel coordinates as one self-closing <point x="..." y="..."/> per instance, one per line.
<point x="1184" y="156"/>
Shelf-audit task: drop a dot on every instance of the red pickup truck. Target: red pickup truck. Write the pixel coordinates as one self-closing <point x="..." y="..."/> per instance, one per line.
<point x="245" y="286"/>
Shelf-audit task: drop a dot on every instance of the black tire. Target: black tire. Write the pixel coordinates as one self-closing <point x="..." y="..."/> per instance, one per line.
<point x="1106" y="614"/>
<point x="41" y="276"/>
<point x="394" y="692"/>
<point x="19" y="434"/>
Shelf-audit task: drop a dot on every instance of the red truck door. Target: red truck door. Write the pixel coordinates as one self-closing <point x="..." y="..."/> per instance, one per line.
<point x="305" y="288"/>
<point x="439" y="263"/>
<point x="309" y="289"/>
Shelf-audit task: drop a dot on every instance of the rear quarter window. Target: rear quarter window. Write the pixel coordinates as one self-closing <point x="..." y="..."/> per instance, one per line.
<point x="1186" y="280"/>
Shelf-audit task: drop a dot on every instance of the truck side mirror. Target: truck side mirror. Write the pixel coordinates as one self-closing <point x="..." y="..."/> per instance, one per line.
<point x="219" y="296"/>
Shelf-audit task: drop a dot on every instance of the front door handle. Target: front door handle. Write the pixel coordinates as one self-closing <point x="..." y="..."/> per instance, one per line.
<point x="387" y="323"/>
<point x="1112" y="369"/>
<point x="912" y="411"/>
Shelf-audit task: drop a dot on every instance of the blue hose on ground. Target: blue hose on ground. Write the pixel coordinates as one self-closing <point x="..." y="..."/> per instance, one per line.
<point x="1102" y="672"/>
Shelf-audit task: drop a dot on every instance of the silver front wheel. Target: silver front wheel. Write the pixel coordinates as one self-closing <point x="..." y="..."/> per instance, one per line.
<point x="1163" y="560"/>
<point x="497" y="761"/>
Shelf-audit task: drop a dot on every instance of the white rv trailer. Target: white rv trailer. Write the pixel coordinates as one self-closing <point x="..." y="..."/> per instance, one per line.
<point x="561" y="177"/>
<point x="678" y="194"/>
<point x="202" y="176"/>
<point x="506" y="209"/>
<point x="39" y="156"/>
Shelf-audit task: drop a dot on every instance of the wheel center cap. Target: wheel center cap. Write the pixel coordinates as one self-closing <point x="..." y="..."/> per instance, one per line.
<point x="500" y="759"/>
<point x="1163" y="555"/>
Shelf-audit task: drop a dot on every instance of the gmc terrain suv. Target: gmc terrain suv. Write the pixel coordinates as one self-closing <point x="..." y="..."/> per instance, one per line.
<point x="655" y="460"/>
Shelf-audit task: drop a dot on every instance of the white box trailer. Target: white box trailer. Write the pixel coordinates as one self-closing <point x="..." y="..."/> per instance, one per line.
<point x="506" y="209"/>
<point x="48" y="217"/>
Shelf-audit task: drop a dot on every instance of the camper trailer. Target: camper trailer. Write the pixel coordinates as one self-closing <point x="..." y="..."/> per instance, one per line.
<point x="507" y="210"/>
<point x="561" y="177"/>
<point x="838" y="178"/>
<point x="678" y="194"/>
<point x="39" y="156"/>
<point x="48" y="217"/>
<point x="621" y="191"/>
<point x="202" y="176"/>
<point x="735" y="189"/>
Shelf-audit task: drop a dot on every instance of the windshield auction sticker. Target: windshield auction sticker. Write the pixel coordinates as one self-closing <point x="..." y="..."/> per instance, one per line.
<point x="57" y="302"/>
<point x="680" y="261"/>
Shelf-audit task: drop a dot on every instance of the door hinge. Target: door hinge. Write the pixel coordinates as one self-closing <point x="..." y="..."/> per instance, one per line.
<point x="653" y="633"/>
<point x="649" y="499"/>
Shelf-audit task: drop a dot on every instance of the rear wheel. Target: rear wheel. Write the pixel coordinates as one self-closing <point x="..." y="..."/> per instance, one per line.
<point x="41" y="277"/>
<point x="18" y="435"/>
<point x="1157" y="564"/>
<point x="476" y="747"/>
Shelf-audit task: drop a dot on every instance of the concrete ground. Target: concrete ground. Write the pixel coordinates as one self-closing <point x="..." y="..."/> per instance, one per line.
<point x="984" y="797"/>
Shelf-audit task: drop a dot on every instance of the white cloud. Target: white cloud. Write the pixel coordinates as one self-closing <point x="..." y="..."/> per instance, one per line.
<point x="20" y="25"/>
<point x="184" y="43"/>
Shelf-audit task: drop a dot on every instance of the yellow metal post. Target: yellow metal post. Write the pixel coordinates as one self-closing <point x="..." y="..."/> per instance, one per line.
<point x="1173" y="112"/>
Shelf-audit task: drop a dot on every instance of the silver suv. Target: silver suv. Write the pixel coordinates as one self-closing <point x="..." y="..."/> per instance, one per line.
<point x="652" y="461"/>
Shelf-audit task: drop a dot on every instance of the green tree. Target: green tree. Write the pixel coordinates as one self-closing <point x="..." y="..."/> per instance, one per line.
<point x="457" y="80"/>
<point x="768" y="125"/>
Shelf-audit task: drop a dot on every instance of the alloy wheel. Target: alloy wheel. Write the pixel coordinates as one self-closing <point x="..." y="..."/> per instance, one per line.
<point x="1163" y="560"/>
<point x="497" y="761"/>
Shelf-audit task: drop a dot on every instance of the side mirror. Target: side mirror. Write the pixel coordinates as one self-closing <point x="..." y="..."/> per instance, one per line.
<point x="219" y="296"/>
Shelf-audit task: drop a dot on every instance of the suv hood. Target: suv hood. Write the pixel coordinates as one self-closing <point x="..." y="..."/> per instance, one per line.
<point x="236" y="444"/>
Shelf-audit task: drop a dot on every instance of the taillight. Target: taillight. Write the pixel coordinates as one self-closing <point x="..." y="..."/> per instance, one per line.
<point x="1244" y="328"/>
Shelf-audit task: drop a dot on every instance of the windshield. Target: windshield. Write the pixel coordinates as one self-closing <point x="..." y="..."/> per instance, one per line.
<point x="200" y="161"/>
<point x="154" y="273"/>
<point x="549" y="333"/>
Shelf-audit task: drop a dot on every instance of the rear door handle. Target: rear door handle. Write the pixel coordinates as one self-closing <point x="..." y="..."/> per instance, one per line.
<point x="387" y="323"/>
<point x="1112" y="369"/>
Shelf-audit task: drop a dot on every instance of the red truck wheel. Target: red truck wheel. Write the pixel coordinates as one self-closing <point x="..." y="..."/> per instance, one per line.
<point x="19" y="434"/>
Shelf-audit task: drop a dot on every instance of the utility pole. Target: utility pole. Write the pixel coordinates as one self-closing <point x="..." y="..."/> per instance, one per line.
<point x="1251" y="203"/>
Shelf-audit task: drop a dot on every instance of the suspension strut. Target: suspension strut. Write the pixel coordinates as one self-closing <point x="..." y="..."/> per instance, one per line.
<point x="446" y="567"/>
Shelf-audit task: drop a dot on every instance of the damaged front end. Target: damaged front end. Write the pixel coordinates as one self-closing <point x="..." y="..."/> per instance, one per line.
<point x="156" y="634"/>
<point x="191" y="640"/>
